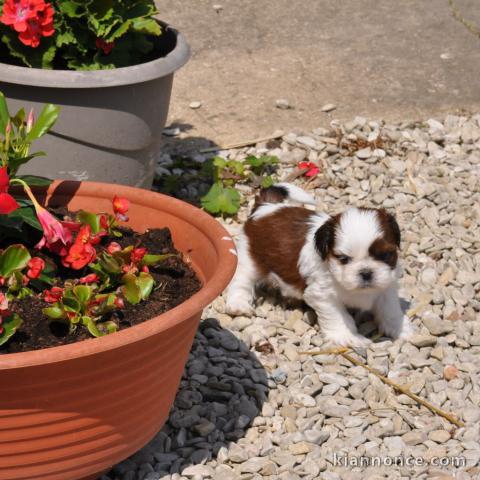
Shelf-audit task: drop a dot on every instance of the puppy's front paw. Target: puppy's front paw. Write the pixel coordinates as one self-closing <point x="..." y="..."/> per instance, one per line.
<point x="238" y="307"/>
<point x="396" y="328"/>
<point x="348" y="339"/>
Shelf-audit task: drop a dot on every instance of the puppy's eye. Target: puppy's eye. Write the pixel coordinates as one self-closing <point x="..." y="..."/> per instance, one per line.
<point x="385" y="256"/>
<point x="343" y="259"/>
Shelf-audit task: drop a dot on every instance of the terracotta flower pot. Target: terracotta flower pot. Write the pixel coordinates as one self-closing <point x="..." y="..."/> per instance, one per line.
<point x="71" y="412"/>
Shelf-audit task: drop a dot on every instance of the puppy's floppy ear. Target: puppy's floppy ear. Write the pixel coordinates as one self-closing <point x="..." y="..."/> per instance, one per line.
<point x="325" y="237"/>
<point x="390" y="226"/>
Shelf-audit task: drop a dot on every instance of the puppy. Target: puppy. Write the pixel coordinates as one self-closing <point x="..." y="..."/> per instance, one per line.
<point x="349" y="260"/>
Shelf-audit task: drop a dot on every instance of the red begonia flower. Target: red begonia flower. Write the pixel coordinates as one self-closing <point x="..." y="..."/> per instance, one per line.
<point x="91" y="278"/>
<point x="113" y="247"/>
<point x="137" y="254"/>
<point x="35" y="267"/>
<point x="53" y="295"/>
<point x="120" y="207"/>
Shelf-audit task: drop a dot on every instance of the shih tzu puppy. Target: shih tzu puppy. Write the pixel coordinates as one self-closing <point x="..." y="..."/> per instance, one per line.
<point x="334" y="263"/>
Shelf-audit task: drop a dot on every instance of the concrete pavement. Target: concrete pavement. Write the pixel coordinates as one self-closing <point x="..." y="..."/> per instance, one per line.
<point x="390" y="59"/>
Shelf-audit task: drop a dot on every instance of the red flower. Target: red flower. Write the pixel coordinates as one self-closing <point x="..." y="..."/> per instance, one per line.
<point x="107" y="47"/>
<point x="7" y="203"/>
<point x="311" y="168"/>
<point x="137" y="254"/>
<point x="35" y="267"/>
<point x="120" y="207"/>
<point x="91" y="278"/>
<point x="33" y="19"/>
<point x="82" y="252"/>
<point x="113" y="247"/>
<point x="53" y="295"/>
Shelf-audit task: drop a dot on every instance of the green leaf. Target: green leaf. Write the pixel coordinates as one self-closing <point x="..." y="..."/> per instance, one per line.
<point x="45" y="121"/>
<point x="12" y="259"/>
<point x="145" y="283"/>
<point x="90" y="219"/>
<point x="83" y="293"/>
<point x="35" y="180"/>
<point x="10" y="325"/>
<point x="92" y="328"/>
<point x="53" y="312"/>
<point x="220" y="199"/>
<point x="71" y="304"/>
<point x="131" y="290"/>
<point x="109" y="264"/>
<point x="19" y="118"/>
<point x="121" y="30"/>
<point x="267" y="182"/>
<point x="72" y="9"/>
<point x="146" y="25"/>
<point x="27" y="215"/>
<point x="4" y="114"/>
<point x="155" y="259"/>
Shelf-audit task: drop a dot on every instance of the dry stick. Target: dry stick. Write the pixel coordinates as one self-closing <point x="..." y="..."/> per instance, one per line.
<point x="343" y="352"/>
<point x="241" y="144"/>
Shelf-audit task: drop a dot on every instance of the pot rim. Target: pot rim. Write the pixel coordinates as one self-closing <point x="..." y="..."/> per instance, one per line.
<point x="143" y="72"/>
<point x="212" y="229"/>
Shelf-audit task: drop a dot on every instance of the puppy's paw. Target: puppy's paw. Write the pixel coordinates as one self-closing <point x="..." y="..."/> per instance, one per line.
<point x="396" y="328"/>
<point x="348" y="339"/>
<point x="239" y="307"/>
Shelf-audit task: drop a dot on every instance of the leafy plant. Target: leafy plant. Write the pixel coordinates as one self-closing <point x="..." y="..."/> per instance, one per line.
<point x="116" y="274"/>
<point x="78" y="35"/>
<point x="223" y="198"/>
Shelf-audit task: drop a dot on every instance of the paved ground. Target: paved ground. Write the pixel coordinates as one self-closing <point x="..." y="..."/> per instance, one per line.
<point x="380" y="59"/>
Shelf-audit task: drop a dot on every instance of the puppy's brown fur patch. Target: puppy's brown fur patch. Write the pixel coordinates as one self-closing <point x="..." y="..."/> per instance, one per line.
<point x="276" y="241"/>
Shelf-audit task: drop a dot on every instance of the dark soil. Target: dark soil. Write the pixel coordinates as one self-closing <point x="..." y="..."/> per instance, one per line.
<point x="175" y="283"/>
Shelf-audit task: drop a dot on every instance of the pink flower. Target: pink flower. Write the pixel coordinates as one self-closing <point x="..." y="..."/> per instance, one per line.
<point x="311" y="169"/>
<point x="55" y="235"/>
<point x="7" y="203"/>
<point x="113" y="247"/>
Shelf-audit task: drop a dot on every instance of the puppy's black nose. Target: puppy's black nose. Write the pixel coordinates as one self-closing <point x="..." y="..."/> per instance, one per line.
<point x="366" y="275"/>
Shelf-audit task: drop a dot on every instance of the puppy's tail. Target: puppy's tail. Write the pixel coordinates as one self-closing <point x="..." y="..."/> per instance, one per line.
<point x="281" y="192"/>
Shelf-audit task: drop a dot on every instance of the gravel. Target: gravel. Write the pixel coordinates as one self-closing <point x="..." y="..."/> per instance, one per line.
<point x="250" y="406"/>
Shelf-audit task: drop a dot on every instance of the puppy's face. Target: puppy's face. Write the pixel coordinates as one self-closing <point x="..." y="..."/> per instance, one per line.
<point x="360" y="247"/>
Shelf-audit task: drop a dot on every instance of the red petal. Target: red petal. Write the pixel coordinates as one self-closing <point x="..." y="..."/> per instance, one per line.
<point x="7" y="204"/>
<point x="4" y="180"/>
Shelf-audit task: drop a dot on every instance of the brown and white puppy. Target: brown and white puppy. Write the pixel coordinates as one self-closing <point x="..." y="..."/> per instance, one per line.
<point x="333" y="263"/>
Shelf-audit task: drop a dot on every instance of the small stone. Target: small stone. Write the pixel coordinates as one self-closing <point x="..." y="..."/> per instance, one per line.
<point x="237" y="454"/>
<point x="305" y="400"/>
<point x="253" y="465"/>
<point x="333" y="378"/>
<point x="328" y="107"/>
<point x="436" y="326"/>
<point x="414" y="437"/>
<point x="329" y="407"/>
<point x="300" y="448"/>
<point x="193" y="470"/>
<point x="450" y="372"/>
<point x="282" y="104"/>
<point x="471" y="414"/>
<point x="204" y="428"/>
<point x="439" y="436"/>
<point x="195" y="105"/>
<point x="364" y="153"/>
<point x="307" y="141"/>
<point x="316" y="436"/>
<point x="423" y="340"/>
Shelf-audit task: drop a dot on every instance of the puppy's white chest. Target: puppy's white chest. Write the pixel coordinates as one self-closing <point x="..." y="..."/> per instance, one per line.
<point x="362" y="301"/>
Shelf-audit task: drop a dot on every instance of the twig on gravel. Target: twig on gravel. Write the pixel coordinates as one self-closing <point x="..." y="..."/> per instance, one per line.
<point x="241" y="144"/>
<point x="343" y="352"/>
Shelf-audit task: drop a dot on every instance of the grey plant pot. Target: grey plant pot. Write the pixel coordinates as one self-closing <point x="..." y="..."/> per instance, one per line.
<point x="111" y="121"/>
